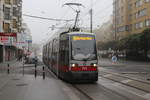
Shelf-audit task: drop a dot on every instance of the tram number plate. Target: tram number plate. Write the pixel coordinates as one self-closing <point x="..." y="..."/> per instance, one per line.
<point x="84" y="68"/>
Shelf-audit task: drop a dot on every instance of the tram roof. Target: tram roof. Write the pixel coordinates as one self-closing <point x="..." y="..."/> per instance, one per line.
<point x="60" y="32"/>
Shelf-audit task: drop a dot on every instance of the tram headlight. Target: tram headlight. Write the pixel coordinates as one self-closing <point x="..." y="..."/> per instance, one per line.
<point x="73" y="65"/>
<point x="95" y="65"/>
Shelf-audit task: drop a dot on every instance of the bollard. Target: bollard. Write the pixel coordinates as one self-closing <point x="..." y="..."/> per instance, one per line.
<point x="35" y="72"/>
<point x="35" y="65"/>
<point x="43" y="73"/>
<point x="23" y="69"/>
<point x="8" y="68"/>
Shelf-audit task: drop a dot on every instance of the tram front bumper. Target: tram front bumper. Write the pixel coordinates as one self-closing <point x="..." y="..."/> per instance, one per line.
<point x="83" y="76"/>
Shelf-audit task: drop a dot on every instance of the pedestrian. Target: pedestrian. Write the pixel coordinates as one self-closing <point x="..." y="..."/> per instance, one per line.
<point x="20" y="57"/>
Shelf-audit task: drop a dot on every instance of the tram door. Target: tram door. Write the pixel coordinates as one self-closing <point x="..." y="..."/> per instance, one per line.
<point x="64" y="53"/>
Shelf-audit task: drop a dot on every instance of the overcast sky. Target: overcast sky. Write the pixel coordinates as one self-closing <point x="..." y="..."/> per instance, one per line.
<point x="53" y="9"/>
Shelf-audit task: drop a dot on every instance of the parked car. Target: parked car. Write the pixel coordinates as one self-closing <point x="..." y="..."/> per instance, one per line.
<point x="31" y="60"/>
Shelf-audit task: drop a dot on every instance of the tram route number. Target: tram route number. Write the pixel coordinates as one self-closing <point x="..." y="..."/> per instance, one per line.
<point x="84" y="68"/>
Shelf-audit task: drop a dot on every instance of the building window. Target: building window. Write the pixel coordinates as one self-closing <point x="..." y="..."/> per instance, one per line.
<point x="147" y="22"/>
<point x="15" y="2"/>
<point x="129" y="27"/>
<point x="130" y="6"/>
<point x="6" y="27"/>
<point x="139" y="25"/>
<point x="7" y="1"/>
<point x="138" y="3"/>
<point x="7" y="13"/>
<point x="130" y="17"/>
<point x="121" y="29"/>
<point x="14" y="23"/>
<point x="140" y="13"/>
<point x="15" y="11"/>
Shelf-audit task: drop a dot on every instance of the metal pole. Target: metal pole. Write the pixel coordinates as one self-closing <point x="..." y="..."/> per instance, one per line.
<point x="91" y="21"/>
<point x="8" y="69"/>
<point x="43" y="73"/>
<point x="91" y="17"/>
<point x="23" y="68"/>
<point x="76" y="20"/>
<point x="115" y="20"/>
<point x="28" y="45"/>
<point x="35" y="73"/>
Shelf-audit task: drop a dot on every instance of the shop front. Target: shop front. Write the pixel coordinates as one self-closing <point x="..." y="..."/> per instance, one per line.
<point x="8" y="49"/>
<point x="1" y="53"/>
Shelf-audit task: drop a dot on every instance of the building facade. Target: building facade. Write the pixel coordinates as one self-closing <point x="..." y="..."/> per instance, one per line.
<point x="130" y="17"/>
<point x="25" y="39"/>
<point x="10" y="22"/>
<point x="105" y="32"/>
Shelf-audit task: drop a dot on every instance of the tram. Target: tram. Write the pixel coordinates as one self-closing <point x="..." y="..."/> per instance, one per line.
<point x="72" y="56"/>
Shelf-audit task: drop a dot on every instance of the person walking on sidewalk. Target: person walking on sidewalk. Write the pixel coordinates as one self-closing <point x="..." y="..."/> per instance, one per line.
<point x="19" y="57"/>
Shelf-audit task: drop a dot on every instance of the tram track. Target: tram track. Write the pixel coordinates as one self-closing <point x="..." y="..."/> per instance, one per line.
<point x="73" y="86"/>
<point x="127" y="80"/>
<point x="135" y="79"/>
<point x="83" y="92"/>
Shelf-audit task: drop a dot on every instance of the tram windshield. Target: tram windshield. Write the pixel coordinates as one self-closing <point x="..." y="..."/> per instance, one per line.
<point x="83" y="47"/>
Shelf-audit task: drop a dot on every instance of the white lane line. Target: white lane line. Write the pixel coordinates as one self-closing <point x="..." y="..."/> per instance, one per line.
<point x="132" y="92"/>
<point x="147" y="96"/>
<point x="107" y="75"/>
<point x="116" y="84"/>
<point x="126" y="81"/>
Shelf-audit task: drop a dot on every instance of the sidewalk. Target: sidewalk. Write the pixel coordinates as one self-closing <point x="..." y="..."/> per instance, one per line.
<point x="16" y="86"/>
<point x="12" y="64"/>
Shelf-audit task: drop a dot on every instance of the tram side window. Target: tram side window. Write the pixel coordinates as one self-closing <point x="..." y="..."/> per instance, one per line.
<point x="49" y="53"/>
<point x="54" y="52"/>
<point x="64" y="51"/>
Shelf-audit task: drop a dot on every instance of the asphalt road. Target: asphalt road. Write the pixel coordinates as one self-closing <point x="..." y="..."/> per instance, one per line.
<point x="22" y="84"/>
<point x="130" y="68"/>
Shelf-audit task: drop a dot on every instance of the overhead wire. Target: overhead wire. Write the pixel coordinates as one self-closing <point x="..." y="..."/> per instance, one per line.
<point x="52" y="19"/>
<point x="102" y="10"/>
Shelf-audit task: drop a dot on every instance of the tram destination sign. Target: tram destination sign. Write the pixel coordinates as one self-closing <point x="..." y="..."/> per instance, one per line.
<point x="8" y="34"/>
<point x="82" y="38"/>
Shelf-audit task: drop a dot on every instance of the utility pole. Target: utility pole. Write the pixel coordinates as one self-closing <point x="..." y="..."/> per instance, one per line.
<point x="28" y="45"/>
<point x="91" y="21"/>
<point x="91" y="17"/>
<point x="115" y="20"/>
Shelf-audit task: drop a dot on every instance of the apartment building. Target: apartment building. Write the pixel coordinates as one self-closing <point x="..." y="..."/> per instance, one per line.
<point x="130" y="17"/>
<point x="10" y="23"/>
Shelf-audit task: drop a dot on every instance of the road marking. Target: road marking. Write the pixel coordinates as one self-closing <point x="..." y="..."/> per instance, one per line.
<point x="126" y="81"/>
<point x="116" y="84"/>
<point x="134" y="73"/>
<point x="107" y="75"/>
<point x="147" y="96"/>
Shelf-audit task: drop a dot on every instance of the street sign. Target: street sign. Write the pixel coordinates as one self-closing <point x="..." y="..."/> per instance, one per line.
<point x="114" y="59"/>
<point x="8" y="34"/>
<point x="6" y="40"/>
<point x="29" y="41"/>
